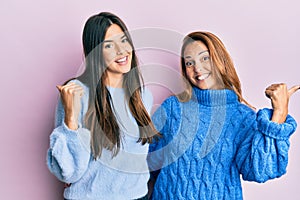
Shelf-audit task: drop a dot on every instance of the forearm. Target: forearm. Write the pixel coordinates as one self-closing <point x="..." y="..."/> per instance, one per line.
<point x="279" y="115"/>
<point x="71" y="122"/>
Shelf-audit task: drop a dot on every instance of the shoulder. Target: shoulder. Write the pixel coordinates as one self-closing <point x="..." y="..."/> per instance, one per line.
<point x="171" y="101"/>
<point x="245" y="110"/>
<point x="165" y="114"/>
<point x="170" y="105"/>
<point x="244" y="114"/>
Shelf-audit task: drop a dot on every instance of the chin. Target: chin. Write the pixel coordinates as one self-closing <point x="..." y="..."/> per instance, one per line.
<point x="125" y="72"/>
<point x="201" y="86"/>
<point x="127" y="69"/>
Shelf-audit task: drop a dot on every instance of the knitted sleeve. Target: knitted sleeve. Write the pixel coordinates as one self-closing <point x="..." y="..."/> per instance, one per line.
<point x="263" y="146"/>
<point x="161" y="120"/>
<point x="69" y="152"/>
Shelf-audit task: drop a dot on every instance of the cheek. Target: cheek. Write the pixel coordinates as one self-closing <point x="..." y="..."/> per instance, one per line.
<point x="130" y="59"/>
<point x="189" y="74"/>
<point x="128" y="48"/>
<point x="108" y="57"/>
<point x="207" y="66"/>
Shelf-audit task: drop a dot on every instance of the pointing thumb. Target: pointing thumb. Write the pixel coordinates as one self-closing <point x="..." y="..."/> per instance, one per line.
<point x="59" y="87"/>
<point x="293" y="89"/>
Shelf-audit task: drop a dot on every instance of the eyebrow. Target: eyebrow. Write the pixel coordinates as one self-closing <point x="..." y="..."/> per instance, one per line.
<point x="198" y="54"/>
<point x="202" y="52"/>
<point x="112" y="40"/>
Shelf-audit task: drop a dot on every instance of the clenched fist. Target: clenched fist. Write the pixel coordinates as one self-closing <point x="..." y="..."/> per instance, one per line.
<point x="70" y="96"/>
<point x="280" y="95"/>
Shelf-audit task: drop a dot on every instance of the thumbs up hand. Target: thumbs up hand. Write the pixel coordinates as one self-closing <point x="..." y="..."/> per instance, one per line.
<point x="70" y="96"/>
<point x="280" y="95"/>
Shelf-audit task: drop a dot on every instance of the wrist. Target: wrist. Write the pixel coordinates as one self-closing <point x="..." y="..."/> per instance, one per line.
<point x="71" y="124"/>
<point x="279" y="115"/>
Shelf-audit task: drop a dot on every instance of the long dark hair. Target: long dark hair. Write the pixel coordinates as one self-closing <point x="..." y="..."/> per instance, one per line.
<point x="100" y="119"/>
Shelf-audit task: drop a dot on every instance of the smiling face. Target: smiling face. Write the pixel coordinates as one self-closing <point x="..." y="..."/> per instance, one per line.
<point x="117" y="53"/>
<point x="198" y="66"/>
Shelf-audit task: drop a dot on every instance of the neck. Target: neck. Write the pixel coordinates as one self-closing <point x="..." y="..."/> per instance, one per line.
<point x="214" y="97"/>
<point x="115" y="81"/>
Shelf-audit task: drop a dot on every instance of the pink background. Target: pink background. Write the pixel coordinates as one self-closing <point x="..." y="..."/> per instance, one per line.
<point x="40" y="44"/>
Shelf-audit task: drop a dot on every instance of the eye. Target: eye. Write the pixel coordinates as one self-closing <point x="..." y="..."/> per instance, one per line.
<point x="206" y="58"/>
<point x="189" y="63"/>
<point x="124" y="40"/>
<point x="108" y="46"/>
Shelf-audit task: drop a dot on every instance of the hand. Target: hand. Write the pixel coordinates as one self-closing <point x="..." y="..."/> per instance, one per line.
<point x="280" y="95"/>
<point x="70" y="96"/>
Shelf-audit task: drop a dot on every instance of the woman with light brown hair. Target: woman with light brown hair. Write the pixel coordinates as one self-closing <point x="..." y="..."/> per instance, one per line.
<point x="210" y="133"/>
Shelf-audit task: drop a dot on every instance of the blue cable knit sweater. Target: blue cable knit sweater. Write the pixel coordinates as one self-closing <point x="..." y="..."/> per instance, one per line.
<point x="69" y="158"/>
<point x="209" y="141"/>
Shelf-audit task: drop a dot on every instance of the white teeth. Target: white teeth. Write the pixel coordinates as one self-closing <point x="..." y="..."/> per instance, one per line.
<point x="202" y="77"/>
<point x="121" y="60"/>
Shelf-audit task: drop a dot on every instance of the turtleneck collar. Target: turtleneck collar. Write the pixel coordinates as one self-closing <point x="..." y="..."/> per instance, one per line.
<point x="214" y="97"/>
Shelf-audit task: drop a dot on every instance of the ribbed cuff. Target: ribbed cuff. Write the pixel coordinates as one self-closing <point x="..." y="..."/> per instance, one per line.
<point x="272" y="129"/>
<point x="66" y="129"/>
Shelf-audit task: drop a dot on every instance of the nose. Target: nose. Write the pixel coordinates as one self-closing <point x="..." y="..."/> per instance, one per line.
<point x="198" y="67"/>
<point x="118" y="49"/>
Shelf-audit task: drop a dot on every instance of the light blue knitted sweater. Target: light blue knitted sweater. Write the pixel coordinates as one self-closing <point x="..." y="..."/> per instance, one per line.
<point x="119" y="178"/>
<point x="209" y="141"/>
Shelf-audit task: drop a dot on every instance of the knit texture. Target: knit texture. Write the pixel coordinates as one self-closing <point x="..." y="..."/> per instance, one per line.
<point x="209" y="141"/>
<point x="69" y="157"/>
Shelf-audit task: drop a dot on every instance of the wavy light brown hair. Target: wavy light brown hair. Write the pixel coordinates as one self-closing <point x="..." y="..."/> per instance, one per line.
<point x="221" y="61"/>
<point x="100" y="118"/>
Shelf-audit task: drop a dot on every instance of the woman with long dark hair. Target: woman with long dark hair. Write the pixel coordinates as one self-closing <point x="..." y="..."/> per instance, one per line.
<point x="102" y="128"/>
